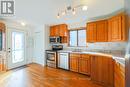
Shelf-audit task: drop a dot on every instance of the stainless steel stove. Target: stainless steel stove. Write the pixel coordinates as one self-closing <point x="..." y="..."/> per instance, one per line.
<point x="51" y="56"/>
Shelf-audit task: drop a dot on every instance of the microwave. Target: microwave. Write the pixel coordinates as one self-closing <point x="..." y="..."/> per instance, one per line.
<point x="55" y="39"/>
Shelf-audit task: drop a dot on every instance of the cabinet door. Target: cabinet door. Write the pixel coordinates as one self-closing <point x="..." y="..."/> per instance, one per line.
<point x="84" y="64"/>
<point x="102" y="31"/>
<point x="102" y="70"/>
<point x="91" y="32"/>
<point x="74" y="62"/>
<point x="119" y="76"/>
<point x="54" y="30"/>
<point x="115" y="28"/>
<point x="57" y="27"/>
<point x="63" y="30"/>
<point x="124" y="28"/>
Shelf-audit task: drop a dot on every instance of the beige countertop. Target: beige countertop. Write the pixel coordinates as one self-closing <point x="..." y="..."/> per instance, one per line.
<point x="117" y="56"/>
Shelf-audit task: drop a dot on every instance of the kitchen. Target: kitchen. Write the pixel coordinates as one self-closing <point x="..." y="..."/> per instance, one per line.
<point x="84" y="44"/>
<point x="95" y="62"/>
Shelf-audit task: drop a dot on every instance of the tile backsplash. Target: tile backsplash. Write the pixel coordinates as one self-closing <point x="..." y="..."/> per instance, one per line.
<point x="102" y="46"/>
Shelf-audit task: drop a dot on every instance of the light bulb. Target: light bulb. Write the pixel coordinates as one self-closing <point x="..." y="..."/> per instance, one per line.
<point x="84" y="8"/>
<point x="63" y="13"/>
<point x="73" y="11"/>
<point x="58" y="16"/>
<point x="23" y="24"/>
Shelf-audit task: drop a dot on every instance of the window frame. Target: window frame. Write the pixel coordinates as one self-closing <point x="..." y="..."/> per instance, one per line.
<point x="77" y="37"/>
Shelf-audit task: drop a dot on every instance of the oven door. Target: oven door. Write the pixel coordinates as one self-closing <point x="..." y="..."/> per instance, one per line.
<point x="51" y="56"/>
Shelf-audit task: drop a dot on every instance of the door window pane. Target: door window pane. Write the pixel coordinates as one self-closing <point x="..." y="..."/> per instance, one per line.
<point x="73" y="38"/>
<point x="17" y="56"/>
<point x="17" y="47"/>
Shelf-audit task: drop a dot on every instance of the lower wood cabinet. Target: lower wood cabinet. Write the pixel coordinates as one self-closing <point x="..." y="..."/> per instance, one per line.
<point x="119" y="75"/>
<point x="80" y="63"/>
<point x="102" y="70"/>
<point x="84" y="64"/>
<point x="74" y="62"/>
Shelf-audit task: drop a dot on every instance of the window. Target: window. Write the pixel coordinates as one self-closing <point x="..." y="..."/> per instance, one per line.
<point x="77" y="37"/>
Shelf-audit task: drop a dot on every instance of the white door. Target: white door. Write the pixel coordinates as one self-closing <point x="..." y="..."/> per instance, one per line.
<point x="16" y="48"/>
<point x="38" y="48"/>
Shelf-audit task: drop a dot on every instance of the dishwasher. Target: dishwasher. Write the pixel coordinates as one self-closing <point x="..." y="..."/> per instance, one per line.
<point x="63" y="61"/>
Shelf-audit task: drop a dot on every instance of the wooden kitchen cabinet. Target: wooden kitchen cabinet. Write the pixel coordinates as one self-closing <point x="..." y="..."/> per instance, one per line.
<point x="74" y="62"/>
<point x="119" y="75"/>
<point x="91" y="32"/>
<point x="116" y="28"/>
<point x="60" y="30"/>
<point x="80" y="63"/>
<point x="97" y="31"/>
<point x="84" y="64"/>
<point x="102" y="31"/>
<point x="54" y="30"/>
<point x="63" y="30"/>
<point x="102" y="70"/>
<point x="109" y="30"/>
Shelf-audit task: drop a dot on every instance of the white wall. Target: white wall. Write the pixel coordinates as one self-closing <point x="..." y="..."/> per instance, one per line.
<point x="41" y="43"/>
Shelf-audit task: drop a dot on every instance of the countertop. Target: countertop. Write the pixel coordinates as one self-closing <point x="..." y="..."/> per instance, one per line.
<point x="117" y="56"/>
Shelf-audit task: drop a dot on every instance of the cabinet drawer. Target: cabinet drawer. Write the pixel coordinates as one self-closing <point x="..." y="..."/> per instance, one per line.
<point x="74" y="55"/>
<point x="85" y="56"/>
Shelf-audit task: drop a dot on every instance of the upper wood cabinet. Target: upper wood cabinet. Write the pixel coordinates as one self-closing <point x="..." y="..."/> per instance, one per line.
<point x="97" y="31"/>
<point x="116" y="28"/>
<point x="102" y="70"/>
<point x="102" y="31"/>
<point x="54" y="30"/>
<point x="59" y="30"/>
<point x="91" y="32"/>
<point x="63" y="30"/>
<point x="109" y="30"/>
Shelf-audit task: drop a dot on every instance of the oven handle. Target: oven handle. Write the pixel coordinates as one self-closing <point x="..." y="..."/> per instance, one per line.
<point x="51" y="52"/>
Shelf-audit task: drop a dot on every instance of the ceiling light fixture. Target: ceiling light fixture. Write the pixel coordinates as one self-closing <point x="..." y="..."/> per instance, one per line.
<point x="72" y="10"/>
<point x="58" y="16"/>
<point x="23" y="24"/>
<point x="84" y="8"/>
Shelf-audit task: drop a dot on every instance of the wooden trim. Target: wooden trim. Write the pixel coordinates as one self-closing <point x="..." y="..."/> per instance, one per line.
<point x="80" y="28"/>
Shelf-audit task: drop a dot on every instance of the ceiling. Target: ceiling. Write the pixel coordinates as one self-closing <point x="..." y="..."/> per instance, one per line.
<point x="38" y="12"/>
